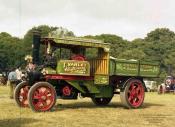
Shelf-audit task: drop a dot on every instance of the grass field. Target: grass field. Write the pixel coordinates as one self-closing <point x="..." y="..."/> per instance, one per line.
<point x="157" y="111"/>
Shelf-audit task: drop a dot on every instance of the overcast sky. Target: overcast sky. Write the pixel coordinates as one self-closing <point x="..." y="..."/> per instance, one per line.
<point x="127" y="18"/>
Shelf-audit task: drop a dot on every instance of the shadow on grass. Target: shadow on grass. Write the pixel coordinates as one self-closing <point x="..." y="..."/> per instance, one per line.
<point x="90" y="105"/>
<point x="148" y="105"/>
<point x="16" y="122"/>
<point x="86" y="105"/>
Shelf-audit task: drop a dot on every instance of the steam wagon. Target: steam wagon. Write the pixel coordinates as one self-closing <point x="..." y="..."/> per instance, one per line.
<point x="75" y="67"/>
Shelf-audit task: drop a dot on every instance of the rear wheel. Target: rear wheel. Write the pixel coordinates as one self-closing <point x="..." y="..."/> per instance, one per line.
<point x="42" y="97"/>
<point x="133" y="94"/>
<point x="101" y="101"/>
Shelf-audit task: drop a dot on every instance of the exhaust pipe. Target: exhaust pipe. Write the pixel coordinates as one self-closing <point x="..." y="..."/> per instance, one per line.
<point x="36" y="46"/>
<point x="169" y="70"/>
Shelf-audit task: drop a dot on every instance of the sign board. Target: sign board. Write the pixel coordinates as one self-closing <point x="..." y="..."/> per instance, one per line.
<point x="73" y="67"/>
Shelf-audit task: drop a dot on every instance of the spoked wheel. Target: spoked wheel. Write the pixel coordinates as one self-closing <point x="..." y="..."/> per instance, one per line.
<point x="20" y="94"/>
<point x="42" y="97"/>
<point x="101" y="101"/>
<point x="133" y="94"/>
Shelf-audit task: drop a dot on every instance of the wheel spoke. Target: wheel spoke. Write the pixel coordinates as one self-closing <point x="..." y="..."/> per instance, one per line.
<point x="140" y="96"/>
<point x="23" y="96"/>
<point x="134" y="101"/>
<point x="46" y="92"/>
<point x="37" y="95"/>
<point x="137" y="90"/>
<point x="39" y="104"/>
<point x="132" y="86"/>
<point x="130" y="98"/>
<point x="25" y="89"/>
<point x="49" y="98"/>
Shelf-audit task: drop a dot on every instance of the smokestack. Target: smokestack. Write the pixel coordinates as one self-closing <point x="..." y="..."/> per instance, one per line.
<point x="169" y="69"/>
<point x="36" y="46"/>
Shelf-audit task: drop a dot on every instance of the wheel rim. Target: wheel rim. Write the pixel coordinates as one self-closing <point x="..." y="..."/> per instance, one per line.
<point x="135" y="94"/>
<point x="23" y="96"/>
<point x="43" y="98"/>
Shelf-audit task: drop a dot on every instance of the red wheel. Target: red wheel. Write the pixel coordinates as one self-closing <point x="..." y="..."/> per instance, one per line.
<point x="42" y="96"/>
<point x="20" y="94"/>
<point x="66" y="91"/>
<point x="133" y="94"/>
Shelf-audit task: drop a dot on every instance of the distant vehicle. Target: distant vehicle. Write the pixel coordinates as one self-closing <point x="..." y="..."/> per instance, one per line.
<point x="167" y="86"/>
<point x="151" y="85"/>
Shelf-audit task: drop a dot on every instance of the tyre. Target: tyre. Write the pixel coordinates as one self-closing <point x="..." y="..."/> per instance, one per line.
<point x="101" y="101"/>
<point x="42" y="97"/>
<point x="133" y="94"/>
<point x="20" y="94"/>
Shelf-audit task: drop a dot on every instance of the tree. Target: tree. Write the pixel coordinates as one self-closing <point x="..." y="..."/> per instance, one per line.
<point x="118" y="44"/>
<point x="133" y="54"/>
<point x="160" y="34"/>
<point x="10" y="51"/>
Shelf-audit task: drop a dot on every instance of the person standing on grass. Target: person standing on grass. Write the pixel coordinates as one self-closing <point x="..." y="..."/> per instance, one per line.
<point x="18" y="75"/>
<point x="12" y="78"/>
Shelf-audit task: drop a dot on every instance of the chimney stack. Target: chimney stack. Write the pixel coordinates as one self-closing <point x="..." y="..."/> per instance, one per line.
<point x="36" y="46"/>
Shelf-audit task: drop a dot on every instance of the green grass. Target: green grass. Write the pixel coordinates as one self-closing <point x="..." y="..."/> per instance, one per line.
<point x="157" y="111"/>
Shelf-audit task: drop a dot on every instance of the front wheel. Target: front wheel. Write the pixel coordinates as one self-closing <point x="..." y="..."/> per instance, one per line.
<point x="20" y="94"/>
<point x="42" y="97"/>
<point x="133" y="94"/>
<point x="101" y="101"/>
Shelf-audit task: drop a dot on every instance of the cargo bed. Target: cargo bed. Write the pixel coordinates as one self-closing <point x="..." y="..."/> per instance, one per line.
<point x="140" y="68"/>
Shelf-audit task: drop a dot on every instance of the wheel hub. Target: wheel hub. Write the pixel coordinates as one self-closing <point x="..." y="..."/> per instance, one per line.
<point x="66" y="91"/>
<point x="43" y="97"/>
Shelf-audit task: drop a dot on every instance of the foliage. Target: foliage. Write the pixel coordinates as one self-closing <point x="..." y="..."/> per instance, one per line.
<point x="134" y="54"/>
<point x="158" y="45"/>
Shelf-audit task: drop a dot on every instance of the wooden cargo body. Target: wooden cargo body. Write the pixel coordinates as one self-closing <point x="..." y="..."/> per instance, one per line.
<point x="122" y="67"/>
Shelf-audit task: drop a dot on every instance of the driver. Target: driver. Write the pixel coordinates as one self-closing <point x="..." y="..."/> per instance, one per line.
<point x="78" y="54"/>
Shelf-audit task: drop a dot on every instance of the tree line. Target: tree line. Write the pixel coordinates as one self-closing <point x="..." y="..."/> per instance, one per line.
<point x="158" y="45"/>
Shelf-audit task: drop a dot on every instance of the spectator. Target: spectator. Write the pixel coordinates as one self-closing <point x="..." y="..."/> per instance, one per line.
<point x="30" y="67"/>
<point x="18" y="75"/>
<point x="12" y="78"/>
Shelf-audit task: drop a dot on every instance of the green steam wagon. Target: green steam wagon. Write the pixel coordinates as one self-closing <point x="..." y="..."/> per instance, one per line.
<point x="75" y="67"/>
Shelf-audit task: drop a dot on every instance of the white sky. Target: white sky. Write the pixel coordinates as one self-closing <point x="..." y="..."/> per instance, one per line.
<point x="127" y="18"/>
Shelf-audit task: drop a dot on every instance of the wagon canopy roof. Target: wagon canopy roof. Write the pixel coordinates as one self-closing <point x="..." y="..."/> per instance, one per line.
<point x="76" y="41"/>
